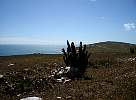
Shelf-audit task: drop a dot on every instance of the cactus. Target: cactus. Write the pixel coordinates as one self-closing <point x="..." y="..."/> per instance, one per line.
<point x="77" y="59"/>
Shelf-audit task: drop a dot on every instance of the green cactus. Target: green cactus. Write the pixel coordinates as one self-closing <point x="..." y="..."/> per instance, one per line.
<point x="77" y="59"/>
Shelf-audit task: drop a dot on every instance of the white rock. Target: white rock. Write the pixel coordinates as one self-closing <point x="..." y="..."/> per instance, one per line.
<point x="58" y="97"/>
<point x="1" y="76"/>
<point x="19" y="95"/>
<point x="68" y="97"/>
<point x="60" y="72"/>
<point x="67" y="80"/>
<point x="62" y="67"/>
<point x="62" y="78"/>
<point x="31" y="98"/>
<point x="11" y="64"/>
<point x="67" y="68"/>
<point x="52" y="75"/>
<point x="55" y="71"/>
<point x="26" y="69"/>
<point x="59" y="80"/>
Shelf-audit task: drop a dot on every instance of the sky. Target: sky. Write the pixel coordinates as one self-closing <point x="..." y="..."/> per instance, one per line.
<point x="56" y="21"/>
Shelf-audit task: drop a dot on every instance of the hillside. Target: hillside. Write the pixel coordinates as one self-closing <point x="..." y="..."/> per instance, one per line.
<point x="108" y="76"/>
<point x="110" y="46"/>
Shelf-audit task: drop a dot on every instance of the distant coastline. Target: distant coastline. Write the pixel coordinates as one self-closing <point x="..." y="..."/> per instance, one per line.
<point x="16" y="49"/>
<point x="22" y="49"/>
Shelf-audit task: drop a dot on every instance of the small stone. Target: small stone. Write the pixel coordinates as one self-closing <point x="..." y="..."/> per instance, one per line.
<point x="19" y="95"/>
<point x="62" y="67"/>
<point x="11" y="64"/>
<point x="68" y="97"/>
<point x="1" y="76"/>
<point x="26" y="69"/>
<point x="59" y="80"/>
<point x="59" y="97"/>
<point x="31" y="98"/>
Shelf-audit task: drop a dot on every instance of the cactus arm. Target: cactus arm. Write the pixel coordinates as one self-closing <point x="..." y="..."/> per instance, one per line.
<point x="69" y="47"/>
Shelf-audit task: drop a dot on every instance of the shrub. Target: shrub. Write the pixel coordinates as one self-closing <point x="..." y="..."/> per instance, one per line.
<point x="132" y="50"/>
<point x="77" y="59"/>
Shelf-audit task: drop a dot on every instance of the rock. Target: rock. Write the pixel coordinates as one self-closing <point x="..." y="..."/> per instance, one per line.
<point x="59" y="97"/>
<point x="66" y="80"/>
<point x="11" y="64"/>
<point x="59" y="80"/>
<point x="2" y="80"/>
<point x="1" y="76"/>
<point x="31" y="98"/>
<point x="68" y="97"/>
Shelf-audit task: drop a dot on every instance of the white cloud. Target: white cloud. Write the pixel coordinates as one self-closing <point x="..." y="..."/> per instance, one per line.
<point x="130" y="26"/>
<point x="15" y="40"/>
<point x="28" y="40"/>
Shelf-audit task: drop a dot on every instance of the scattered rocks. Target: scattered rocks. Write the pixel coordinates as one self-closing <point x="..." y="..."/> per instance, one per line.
<point x="59" y="75"/>
<point x="126" y="59"/>
<point x="27" y="80"/>
<point x="131" y="59"/>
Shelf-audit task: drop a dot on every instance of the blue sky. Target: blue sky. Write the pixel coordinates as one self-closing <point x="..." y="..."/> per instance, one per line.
<point x="55" y="21"/>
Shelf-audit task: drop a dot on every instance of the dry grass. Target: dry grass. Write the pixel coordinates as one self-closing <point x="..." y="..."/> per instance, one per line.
<point x="109" y="79"/>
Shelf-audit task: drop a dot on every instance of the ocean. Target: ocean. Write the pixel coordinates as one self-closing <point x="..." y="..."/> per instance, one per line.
<point x="8" y="50"/>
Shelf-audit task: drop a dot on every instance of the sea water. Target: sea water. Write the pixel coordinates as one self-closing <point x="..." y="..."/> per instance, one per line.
<point x="7" y="50"/>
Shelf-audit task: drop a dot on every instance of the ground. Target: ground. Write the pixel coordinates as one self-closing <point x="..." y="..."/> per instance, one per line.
<point x="108" y="77"/>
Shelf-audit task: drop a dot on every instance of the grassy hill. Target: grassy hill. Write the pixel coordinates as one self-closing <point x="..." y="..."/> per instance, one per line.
<point x="110" y="47"/>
